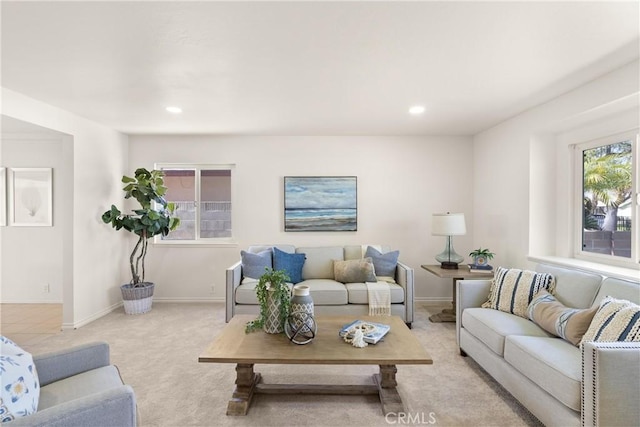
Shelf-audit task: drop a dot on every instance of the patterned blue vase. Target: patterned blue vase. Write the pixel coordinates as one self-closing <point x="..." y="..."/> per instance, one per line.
<point x="301" y="327"/>
<point x="301" y="300"/>
<point x="272" y="322"/>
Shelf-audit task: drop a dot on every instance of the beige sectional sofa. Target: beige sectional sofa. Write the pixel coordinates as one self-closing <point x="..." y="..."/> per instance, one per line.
<point x="561" y="384"/>
<point x="330" y="297"/>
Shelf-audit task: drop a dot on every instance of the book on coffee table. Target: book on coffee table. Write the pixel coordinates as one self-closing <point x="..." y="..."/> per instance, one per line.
<point x="373" y="332"/>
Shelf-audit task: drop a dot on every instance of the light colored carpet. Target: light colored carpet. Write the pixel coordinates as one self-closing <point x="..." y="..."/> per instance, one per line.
<point x="157" y="354"/>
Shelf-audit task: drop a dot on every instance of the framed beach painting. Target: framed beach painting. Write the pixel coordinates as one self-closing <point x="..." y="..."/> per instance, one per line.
<point x="320" y="203"/>
<point x="31" y="198"/>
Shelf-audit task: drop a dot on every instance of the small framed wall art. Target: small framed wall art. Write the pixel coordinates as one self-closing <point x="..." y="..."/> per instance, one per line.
<point x="31" y="197"/>
<point x="3" y="197"/>
<point x="320" y="203"/>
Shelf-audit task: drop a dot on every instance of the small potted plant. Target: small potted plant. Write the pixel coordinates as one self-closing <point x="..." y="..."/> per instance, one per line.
<point x="274" y="298"/>
<point x="481" y="256"/>
<point x="153" y="217"/>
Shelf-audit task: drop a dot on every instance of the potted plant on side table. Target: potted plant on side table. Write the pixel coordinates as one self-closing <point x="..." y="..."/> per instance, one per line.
<point x="274" y="298"/>
<point x="481" y="259"/>
<point x="153" y="217"/>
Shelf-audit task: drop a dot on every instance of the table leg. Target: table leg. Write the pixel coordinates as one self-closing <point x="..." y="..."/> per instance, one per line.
<point x="389" y="398"/>
<point x="448" y="314"/>
<point x="246" y="381"/>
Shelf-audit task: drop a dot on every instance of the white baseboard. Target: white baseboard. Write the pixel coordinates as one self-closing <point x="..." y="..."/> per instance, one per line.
<point x="189" y="300"/>
<point x="119" y="304"/>
<point x="95" y="316"/>
<point x="433" y="300"/>
<point x="31" y="301"/>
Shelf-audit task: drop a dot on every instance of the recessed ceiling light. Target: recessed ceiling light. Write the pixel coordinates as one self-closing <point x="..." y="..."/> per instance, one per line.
<point x="174" y="110"/>
<point x="416" y="109"/>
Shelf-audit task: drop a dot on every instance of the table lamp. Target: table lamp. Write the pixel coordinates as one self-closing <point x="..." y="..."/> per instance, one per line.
<point x="448" y="224"/>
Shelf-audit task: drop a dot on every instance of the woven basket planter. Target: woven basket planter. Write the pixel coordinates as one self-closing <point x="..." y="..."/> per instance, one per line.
<point x="137" y="300"/>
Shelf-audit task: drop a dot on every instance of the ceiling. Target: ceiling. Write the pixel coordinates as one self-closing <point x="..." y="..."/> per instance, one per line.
<point x="309" y="68"/>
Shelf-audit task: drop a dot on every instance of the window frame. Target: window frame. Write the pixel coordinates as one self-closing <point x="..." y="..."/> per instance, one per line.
<point x="201" y="241"/>
<point x="577" y="201"/>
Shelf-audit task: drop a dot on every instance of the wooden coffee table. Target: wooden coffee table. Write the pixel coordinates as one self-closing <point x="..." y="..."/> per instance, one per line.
<point x="233" y="345"/>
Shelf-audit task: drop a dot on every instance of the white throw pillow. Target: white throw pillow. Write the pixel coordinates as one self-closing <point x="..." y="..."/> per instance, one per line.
<point x="20" y="388"/>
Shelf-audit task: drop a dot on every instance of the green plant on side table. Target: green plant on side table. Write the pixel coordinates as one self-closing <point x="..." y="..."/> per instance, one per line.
<point x="153" y="217"/>
<point x="481" y="256"/>
<point x="274" y="298"/>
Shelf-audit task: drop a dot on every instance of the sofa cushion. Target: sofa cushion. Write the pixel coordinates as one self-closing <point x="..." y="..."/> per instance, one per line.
<point x="358" y="293"/>
<point x="551" y="315"/>
<point x="615" y="320"/>
<point x="290" y="263"/>
<point x="253" y="265"/>
<point x="254" y="249"/>
<point x="513" y="289"/>
<point x="621" y="289"/>
<point x="20" y="391"/>
<point x="356" y="270"/>
<point x="319" y="262"/>
<point x="574" y="288"/>
<point x="81" y="385"/>
<point x="492" y="326"/>
<point x="326" y="292"/>
<point x="385" y="263"/>
<point x="246" y="291"/>
<point x="553" y="364"/>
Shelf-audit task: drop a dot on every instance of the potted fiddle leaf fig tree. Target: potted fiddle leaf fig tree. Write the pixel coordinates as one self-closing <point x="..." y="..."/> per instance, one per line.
<point x="154" y="216"/>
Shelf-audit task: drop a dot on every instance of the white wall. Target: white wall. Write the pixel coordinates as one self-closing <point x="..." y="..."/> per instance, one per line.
<point x="401" y="182"/>
<point x="522" y="167"/>
<point x="35" y="256"/>
<point x="99" y="161"/>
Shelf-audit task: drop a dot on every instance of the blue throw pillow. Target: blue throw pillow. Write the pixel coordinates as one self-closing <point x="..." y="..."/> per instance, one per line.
<point x="253" y="265"/>
<point x="384" y="264"/>
<point x="291" y="263"/>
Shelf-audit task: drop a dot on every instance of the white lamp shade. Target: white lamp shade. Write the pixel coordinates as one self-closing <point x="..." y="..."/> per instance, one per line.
<point x="448" y="224"/>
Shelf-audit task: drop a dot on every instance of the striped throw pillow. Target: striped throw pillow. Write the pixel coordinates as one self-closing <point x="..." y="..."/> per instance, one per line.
<point x="512" y="290"/>
<point x="567" y="323"/>
<point x="615" y="320"/>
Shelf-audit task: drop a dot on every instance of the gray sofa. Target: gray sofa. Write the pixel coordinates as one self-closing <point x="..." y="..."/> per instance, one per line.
<point x="330" y="297"/>
<point x="556" y="381"/>
<point x="79" y="387"/>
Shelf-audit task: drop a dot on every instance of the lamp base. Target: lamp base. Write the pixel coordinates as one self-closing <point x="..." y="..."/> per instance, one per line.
<point x="448" y="258"/>
<point x="449" y="265"/>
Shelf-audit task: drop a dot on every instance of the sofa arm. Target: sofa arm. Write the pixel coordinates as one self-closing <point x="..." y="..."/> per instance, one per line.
<point x="610" y="384"/>
<point x="112" y="407"/>
<point x="57" y="365"/>
<point x="469" y="293"/>
<point x="404" y="278"/>
<point x="234" y="277"/>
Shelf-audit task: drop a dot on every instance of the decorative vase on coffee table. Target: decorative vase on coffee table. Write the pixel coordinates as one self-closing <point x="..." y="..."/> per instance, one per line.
<point x="300" y="326"/>
<point x="301" y="300"/>
<point x="272" y="322"/>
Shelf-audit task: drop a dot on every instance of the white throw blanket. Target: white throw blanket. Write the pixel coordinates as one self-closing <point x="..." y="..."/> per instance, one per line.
<point x="379" y="298"/>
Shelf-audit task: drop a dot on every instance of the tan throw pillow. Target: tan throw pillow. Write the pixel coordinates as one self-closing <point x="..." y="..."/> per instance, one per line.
<point x="512" y="289"/>
<point x="567" y="323"/>
<point x="615" y="320"/>
<point x="354" y="271"/>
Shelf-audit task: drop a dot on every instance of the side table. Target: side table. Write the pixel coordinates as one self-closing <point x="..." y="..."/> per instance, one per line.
<point x="449" y="314"/>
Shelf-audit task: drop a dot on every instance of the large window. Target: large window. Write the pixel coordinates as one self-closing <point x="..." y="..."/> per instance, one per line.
<point x="608" y="199"/>
<point x="202" y="196"/>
